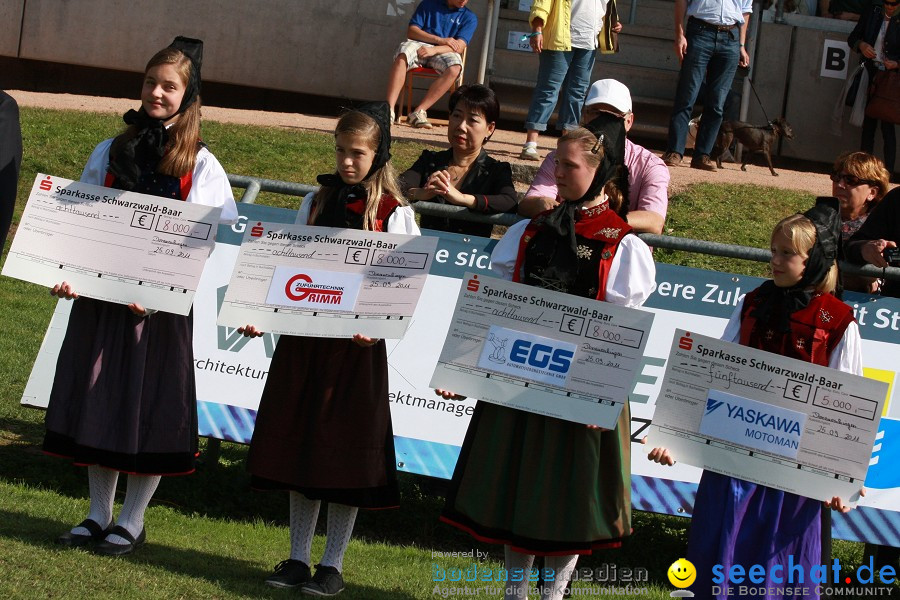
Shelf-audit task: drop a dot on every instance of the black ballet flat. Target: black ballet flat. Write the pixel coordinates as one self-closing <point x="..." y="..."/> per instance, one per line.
<point x="109" y="549"/>
<point x="76" y="540"/>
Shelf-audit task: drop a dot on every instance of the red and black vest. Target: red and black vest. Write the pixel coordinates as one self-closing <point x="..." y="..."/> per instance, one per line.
<point x="156" y="184"/>
<point x="598" y="231"/>
<point x="355" y="204"/>
<point x="815" y="332"/>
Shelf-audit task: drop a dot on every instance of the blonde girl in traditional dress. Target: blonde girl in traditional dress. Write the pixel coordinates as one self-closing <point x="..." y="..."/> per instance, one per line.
<point x="540" y="485"/>
<point x="323" y="431"/>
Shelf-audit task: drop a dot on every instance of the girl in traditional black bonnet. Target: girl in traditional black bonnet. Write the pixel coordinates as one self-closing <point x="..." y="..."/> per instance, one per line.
<point x="323" y="431"/>
<point x="550" y="487"/>
<point x="123" y="397"/>
<point x="794" y="314"/>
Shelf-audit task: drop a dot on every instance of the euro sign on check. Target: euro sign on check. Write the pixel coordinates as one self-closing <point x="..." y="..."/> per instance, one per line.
<point x="766" y="418"/>
<point x="542" y="351"/>
<point x="326" y="282"/>
<point x="113" y="245"/>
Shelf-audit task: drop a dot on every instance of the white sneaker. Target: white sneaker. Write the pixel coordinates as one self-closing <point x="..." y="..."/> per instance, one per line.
<point x="393" y="116"/>
<point x="419" y="120"/>
<point x="529" y="152"/>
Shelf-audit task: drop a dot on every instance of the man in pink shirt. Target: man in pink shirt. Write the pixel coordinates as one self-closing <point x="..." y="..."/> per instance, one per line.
<point x="648" y="176"/>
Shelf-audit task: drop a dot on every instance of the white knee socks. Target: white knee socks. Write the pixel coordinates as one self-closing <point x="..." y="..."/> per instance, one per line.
<point x="340" y="525"/>
<point x="102" y="489"/>
<point x="562" y="567"/>
<point x="137" y="498"/>
<point x="304" y="513"/>
<point x="517" y="590"/>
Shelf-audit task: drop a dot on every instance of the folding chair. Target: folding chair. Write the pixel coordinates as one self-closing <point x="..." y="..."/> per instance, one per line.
<point x="428" y="74"/>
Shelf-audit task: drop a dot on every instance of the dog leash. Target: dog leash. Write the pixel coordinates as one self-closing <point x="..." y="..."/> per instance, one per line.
<point x="761" y="107"/>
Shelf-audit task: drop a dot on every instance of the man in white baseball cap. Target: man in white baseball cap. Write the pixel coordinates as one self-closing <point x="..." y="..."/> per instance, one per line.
<point x="648" y="176"/>
<point x="610" y="92"/>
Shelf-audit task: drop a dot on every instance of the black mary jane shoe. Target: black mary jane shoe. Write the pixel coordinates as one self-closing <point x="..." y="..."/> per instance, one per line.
<point x="76" y="540"/>
<point x="109" y="549"/>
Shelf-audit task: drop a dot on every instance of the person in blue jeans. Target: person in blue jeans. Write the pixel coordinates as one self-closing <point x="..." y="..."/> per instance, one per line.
<point x="711" y="46"/>
<point x="565" y="35"/>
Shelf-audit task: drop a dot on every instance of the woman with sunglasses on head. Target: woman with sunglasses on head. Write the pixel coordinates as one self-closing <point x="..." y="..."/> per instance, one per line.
<point x="877" y="38"/>
<point x="859" y="182"/>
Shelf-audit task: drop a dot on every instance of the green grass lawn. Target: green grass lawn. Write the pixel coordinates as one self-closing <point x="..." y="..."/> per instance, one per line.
<point x="209" y="535"/>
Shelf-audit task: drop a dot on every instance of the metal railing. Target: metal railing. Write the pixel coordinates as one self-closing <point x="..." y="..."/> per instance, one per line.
<point x="254" y="185"/>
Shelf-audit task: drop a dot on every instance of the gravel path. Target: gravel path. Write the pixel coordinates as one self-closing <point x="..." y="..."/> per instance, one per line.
<point x="504" y="145"/>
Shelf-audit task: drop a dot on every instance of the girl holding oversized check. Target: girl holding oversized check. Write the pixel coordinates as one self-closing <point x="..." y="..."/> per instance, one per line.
<point x="323" y="431"/>
<point x="123" y="397"/>
<point x="795" y="314"/>
<point x="540" y="485"/>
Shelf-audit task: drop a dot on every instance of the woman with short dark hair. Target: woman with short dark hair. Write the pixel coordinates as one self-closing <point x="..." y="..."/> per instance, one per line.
<point x="464" y="174"/>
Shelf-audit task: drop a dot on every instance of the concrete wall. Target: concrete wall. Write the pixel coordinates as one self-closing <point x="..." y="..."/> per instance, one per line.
<point x="770" y="72"/>
<point x="343" y="48"/>
<point x="10" y="25"/>
<point x="339" y="48"/>
<point x="811" y="99"/>
<point x="788" y="80"/>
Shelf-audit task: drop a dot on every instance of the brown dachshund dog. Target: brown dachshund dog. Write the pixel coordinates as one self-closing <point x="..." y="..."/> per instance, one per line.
<point x="754" y="139"/>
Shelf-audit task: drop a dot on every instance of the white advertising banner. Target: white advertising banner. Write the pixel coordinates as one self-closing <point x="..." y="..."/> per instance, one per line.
<point x="231" y="370"/>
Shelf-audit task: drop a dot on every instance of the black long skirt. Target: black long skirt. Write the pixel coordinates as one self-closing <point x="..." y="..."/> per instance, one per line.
<point x="124" y="395"/>
<point x="324" y="424"/>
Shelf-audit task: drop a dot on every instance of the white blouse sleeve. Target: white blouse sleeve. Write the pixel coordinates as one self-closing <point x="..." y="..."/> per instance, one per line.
<point x="732" y="331"/>
<point x="95" y="170"/>
<point x="403" y="220"/>
<point x="303" y="211"/>
<point x="847" y="355"/>
<point x="503" y="258"/>
<point x="632" y="275"/>
<point x="210" y="187"/>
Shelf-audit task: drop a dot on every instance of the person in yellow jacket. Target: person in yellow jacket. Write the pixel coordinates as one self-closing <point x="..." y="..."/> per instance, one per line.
<point x="564" y="34"/>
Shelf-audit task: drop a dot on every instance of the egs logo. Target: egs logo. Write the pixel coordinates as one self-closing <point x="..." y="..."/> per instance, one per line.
<point x="541" y="356"/>
<point x="527" y="356"/>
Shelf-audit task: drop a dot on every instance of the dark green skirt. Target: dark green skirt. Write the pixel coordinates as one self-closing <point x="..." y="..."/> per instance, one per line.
<point x="542" y="485"/>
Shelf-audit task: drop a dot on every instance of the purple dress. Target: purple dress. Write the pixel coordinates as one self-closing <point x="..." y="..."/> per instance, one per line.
<point x="736" y="522"/>
<point x="781" y="525"/>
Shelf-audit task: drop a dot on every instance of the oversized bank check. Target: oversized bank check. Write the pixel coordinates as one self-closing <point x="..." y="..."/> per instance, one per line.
<point x="326" y="282"/>
<point x="113" y="245"/>
<point x="542" y="351"/>
<point x="776" y="421"/>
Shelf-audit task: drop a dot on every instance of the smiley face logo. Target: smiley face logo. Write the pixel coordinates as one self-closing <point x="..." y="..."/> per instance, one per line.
<point x="682" y="573"/>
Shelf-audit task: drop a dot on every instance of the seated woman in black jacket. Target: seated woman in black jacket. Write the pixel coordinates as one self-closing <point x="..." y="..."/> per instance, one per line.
<point x="464" y="175"/>
<point x="877" y="38"/>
